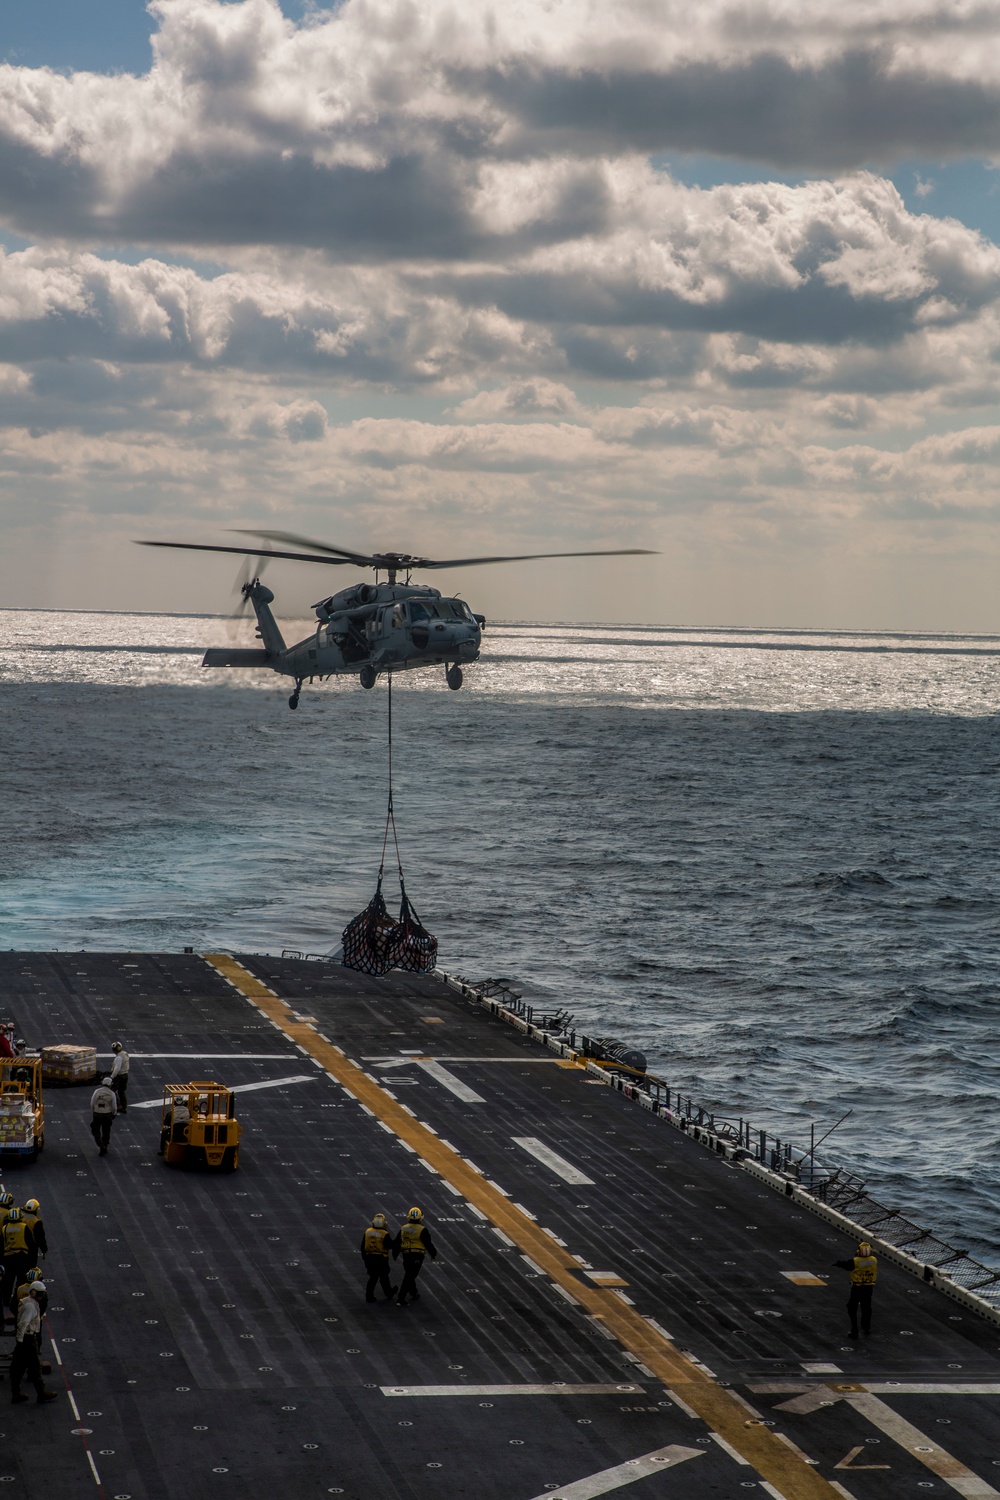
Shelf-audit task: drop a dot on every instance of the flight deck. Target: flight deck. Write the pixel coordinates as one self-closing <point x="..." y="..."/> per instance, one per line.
<point x="612" y="1304"/>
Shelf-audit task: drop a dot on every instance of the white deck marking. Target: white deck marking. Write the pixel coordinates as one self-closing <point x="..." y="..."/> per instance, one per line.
<point x="728" y="1448"/>
<point x="385" y="1060"/>
<point x="884" y="1388"/>
<point x="924" y="1449"/>
<point x="626" y="1473"/>
<point x="555" y="1163"/>
<point x="216" y="1056"/>
<point x="820" y="1393"/>
<point x="808" y="1400"/>
<point x="240" y="1088"/>
<point x="512" y="1390"/>
<point x="847" y="1462"/>
<point x="449" y="1081"/>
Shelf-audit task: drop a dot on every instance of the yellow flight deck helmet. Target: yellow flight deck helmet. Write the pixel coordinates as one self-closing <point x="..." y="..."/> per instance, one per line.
<point x="415" y="1215"/>
<point x="6" y="1200"/>
<point x="14" y="1217"/>
<point x="864" y="1248"/>
<point x="32" y="1206"/>
<point x="34" y="1275"/>
<point x="379" y="1221"/>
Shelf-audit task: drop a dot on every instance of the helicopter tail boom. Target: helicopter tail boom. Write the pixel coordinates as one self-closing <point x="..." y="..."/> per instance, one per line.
<point x="267" y="628"/>
<point x="220" y="657"/>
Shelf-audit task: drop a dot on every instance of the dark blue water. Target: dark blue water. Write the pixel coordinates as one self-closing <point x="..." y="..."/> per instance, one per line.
<point x="771" y="867"/>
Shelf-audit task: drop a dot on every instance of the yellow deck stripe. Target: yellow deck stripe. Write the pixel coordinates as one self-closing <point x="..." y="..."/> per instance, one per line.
<point x="772" y="1459"/>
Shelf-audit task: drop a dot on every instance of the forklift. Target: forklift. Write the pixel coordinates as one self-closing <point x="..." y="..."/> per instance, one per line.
<point x="22" y="1107"/>
<point x="198" y="1126"/>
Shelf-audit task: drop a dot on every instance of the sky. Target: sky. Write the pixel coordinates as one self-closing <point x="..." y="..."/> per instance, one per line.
<point x="721" y="281"/>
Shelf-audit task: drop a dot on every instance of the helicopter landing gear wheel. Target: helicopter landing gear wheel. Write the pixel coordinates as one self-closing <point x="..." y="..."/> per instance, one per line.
<point x="293" y="701"/>
<point x="368" y="677"/>
<point x="453" y="677"/>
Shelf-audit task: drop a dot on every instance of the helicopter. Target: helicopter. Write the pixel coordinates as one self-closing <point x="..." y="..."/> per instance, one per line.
<point x="367" y="629"/>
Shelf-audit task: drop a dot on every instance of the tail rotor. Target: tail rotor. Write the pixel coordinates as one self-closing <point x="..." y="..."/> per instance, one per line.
<point x="251" y="570"/>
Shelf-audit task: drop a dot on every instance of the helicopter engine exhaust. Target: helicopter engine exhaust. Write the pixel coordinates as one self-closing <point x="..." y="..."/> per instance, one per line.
<point x="352" y="598"/>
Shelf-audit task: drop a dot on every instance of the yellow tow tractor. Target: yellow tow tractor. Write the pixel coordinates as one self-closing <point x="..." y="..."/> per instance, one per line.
<point x="198" y="1126"/>
<point x="22" y="1108"/>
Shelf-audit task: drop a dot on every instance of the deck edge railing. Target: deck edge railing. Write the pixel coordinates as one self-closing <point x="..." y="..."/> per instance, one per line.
<point x="816" y="1180"/>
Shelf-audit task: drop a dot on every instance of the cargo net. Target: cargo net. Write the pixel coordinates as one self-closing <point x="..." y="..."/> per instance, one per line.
<point x="374" y="941"/>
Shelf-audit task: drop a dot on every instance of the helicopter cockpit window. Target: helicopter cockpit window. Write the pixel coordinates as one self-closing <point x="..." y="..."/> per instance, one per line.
<point x="419" y="611"/>
<point x="398" y="616"/>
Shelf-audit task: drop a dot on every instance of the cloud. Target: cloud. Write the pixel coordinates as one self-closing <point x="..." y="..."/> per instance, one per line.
<point x="374" y="130"/>
<point x="447" y="216"/>
<point x="522" y="398"/>
<point x="814" y="266"/>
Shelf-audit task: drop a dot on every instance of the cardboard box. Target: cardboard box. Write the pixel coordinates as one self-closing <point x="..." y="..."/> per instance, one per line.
<point x="69" y="1064"/>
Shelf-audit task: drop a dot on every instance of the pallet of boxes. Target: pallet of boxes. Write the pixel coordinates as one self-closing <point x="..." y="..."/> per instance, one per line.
<point x="17" y="1125"/>
<point x="68" y="1064"/>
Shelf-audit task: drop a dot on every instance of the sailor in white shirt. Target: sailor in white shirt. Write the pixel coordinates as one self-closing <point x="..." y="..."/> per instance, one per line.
<point x="103" y="1108"/>
<point x="119" y="1076"/>
<point x="24" y="1360"/>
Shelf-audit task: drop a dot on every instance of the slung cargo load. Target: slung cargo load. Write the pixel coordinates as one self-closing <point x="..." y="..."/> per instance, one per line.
<point x="198" y="1126"/>
<point x="375" y="942"/>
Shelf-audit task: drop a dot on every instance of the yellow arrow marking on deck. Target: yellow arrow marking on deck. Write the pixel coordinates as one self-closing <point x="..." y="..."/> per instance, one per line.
<point x="774" y="1460"/>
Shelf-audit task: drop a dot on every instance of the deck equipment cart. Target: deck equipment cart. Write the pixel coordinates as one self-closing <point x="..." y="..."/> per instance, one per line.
<point x="198" y="1126"/>
<point x="22" y="1108"/>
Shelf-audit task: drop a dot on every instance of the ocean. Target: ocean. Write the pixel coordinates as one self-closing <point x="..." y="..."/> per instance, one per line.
<point x="766" y="858"/>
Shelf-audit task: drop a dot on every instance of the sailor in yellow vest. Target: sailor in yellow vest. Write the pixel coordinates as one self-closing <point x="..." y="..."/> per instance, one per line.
<point x="864" y="1273"/>
<point x="17" y="1244"/>
<point x="6" y="1204"/>
<point x="413" y="1242"/>
<point x="375" y="1244"/>
<point x="32" y="1215"/>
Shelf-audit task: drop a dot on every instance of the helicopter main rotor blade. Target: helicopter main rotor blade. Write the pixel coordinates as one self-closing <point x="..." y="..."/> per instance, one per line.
<point x="388" y="561"/>
<point x="361" y="559"/>
<point x="246" y="551"/>
<point x="472" y="562"/>
<point x="406" y="560"/>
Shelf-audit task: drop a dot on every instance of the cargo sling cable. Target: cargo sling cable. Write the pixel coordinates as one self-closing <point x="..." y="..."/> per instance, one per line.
<point x="781" y="1466"/>
<point x="373" y="942"/>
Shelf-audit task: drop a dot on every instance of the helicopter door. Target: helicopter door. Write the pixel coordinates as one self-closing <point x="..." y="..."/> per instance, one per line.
<point x="355" y="645"/>
<point x="420" y="632"/>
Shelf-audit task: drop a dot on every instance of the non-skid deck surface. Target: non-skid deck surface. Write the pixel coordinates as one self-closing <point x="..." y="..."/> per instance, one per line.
<point x="213" y="1331"/>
